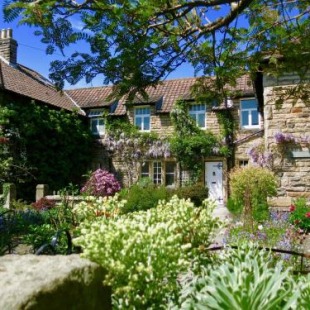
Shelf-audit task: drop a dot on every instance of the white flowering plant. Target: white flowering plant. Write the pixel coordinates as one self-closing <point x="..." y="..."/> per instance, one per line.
<point x="145" y="252"/>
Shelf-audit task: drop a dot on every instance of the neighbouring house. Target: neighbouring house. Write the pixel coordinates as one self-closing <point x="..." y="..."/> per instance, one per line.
<point x="266" y="132"/>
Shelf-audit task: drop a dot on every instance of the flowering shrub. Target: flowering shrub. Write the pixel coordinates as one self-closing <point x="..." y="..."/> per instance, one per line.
<point x="250" y="187"/>
<point x="92" y="208"/>
<point x="276" y="232"/>
<point x="145" y="252"/>
<point x="101" y="183"/>
<point x="300" y="214"/>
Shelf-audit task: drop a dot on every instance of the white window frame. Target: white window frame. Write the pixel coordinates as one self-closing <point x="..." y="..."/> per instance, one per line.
<point x="157" y="172"/>
<point x="96" y="119"/>
<point x="142" y="117"/>
<point x="249" y="111"/>
<point x="196" y="113"/>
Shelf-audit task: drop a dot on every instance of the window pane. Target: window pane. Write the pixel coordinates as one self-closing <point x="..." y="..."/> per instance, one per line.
<point x="193" y="116"/>
<point x="249" y="104"/>
<point x="142" y="111"/>
<point x="201" y="121"/>
<point x="254" y="118"/>
<point x="170" y="167"/>
<point x="243" y="163"/>
<point x="245" y="118"/>
<point x="145" y="172"/>
<point x="170" y="173"/>
<point x="146" y="123"/>
<point x="97" y="125"/>
<point x="138" y="122"/>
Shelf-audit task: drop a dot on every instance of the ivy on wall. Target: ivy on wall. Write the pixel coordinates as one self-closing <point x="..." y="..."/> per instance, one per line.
<point x="190" y="145"/>
<point x="55" y="145"/>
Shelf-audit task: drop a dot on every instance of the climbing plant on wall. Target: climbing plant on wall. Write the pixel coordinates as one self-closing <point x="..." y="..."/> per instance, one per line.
<point x="55" y="145"/>
<point x="190" y="145"/>
<point x="131" y="147"/>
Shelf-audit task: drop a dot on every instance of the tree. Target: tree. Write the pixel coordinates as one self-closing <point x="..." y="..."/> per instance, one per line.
<point x="136" y="43"/>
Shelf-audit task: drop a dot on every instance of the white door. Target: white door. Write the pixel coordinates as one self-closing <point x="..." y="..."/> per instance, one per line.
<point x="214" y="180"/>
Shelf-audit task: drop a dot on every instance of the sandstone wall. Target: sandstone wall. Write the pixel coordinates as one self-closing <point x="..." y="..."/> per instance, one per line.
<point x="290" y="116"/>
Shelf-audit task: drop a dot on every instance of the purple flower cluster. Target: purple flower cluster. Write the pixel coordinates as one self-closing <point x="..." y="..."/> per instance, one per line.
<point x="101" y="183"/>
<point x="260" y="157"/>
<point x="281" y="137"/>
<point x="158" y="149"/>
<point x="289" y="138"/>
<point x="136" y="147"/>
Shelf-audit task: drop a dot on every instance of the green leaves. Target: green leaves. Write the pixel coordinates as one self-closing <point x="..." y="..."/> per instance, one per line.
<point x="145" y="252"/>
<point x="244" y="279"/>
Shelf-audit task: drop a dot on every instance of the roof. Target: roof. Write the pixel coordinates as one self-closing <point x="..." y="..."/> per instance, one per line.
<point x="26" y="82"/>
<point x="164" y="95"/>
<point x="92" y="97"/>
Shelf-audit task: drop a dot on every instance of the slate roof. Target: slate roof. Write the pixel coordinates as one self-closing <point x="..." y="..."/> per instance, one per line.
<point x="164" y="95"/>
<point x="26" y="82"/>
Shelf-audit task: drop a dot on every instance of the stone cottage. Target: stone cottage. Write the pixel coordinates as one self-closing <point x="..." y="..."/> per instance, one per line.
<point x="261" y="125"/>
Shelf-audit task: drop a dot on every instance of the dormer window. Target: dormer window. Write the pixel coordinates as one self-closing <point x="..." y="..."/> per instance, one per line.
<point x="96" y="122"/>
<point x="249" y="114"/>
<point x="198" y="113"/>
<point x="143" y="118"/>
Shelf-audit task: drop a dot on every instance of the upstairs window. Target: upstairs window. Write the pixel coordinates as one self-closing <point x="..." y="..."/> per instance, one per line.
<point x="143" y="118"/>
<point x="249" y="114"/>
<point x="96" y="122"/>
<point x="198" y="113"/>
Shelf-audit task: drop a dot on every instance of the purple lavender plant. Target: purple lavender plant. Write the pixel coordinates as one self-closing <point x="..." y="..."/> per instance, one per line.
<point x="101" y="183"/>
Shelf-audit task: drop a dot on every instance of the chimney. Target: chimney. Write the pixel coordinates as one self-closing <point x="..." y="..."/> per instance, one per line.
<point x="8" y="46"/>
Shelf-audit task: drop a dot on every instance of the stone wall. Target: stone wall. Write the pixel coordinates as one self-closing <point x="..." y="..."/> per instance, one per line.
<point x="291" y="117"/>
<point x="51" y="283"/>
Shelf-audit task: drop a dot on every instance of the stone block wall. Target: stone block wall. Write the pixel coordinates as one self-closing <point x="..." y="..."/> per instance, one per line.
<point x="292" y="118"/>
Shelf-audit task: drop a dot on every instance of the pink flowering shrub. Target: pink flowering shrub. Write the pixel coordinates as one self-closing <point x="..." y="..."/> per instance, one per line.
<point x="101" y="183"/>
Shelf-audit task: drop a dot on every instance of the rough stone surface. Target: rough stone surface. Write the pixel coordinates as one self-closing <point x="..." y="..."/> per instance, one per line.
<point x="51" y="282"/>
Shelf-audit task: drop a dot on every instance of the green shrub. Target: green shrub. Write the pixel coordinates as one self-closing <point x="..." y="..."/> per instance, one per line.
<point x="250" y="187"/>
<point x="196" y="193"/>
<point x="244" y="279"/>
<point x="234" y="207"/>
<point x="143" y="196"/>
<point x="300" y="214"/>
<point x="145" y="252"/>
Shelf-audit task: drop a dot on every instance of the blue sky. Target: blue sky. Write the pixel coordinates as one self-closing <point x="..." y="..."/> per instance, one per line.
<point x="31" y="53"/>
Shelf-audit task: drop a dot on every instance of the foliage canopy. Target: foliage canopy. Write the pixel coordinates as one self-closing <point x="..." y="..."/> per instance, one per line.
<point x="135" y="44"/>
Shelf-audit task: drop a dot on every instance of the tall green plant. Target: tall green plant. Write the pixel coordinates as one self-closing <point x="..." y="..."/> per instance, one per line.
<point x="250" y="187"/>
